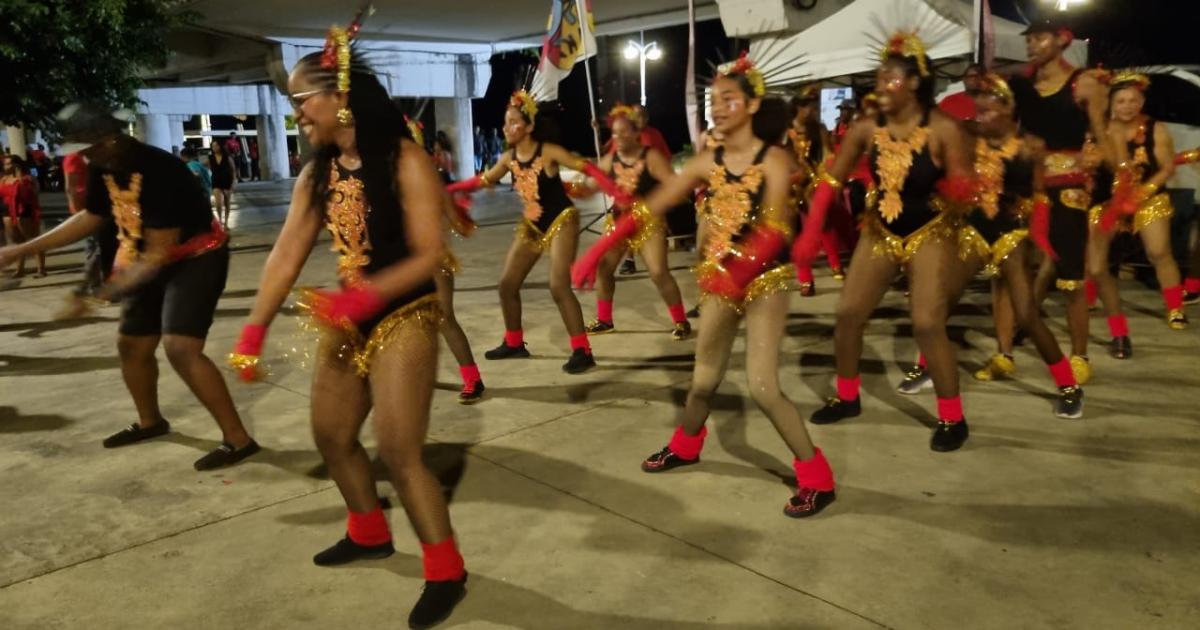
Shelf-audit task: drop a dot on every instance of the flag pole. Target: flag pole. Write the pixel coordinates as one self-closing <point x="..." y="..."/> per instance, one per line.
<point x="585" y="28"/>
<point x="690" y="106"/>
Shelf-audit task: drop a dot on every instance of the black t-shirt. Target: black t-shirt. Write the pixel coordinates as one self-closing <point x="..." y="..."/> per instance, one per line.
<point x="149" y="187"/>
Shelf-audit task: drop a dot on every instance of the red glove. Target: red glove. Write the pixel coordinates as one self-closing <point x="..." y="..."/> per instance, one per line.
<point x="806" y="248"/>
<point x="245" y="356"/>
<point x="1039" y="226"/>
<point x="608" y="186"/>
<point x="1127" y="197"/>
<point x="960" y="191"/>
<point x="1187" y="157"/>
<point x="351" y="305"/>
<point x="751" y="257"/>
<point x="466" y="185"/>
<point x="583" y="272"/>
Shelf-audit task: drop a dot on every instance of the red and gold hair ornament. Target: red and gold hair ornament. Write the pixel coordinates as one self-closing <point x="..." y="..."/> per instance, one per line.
<point x="995" y="85"/>
<point x="908" y="45"/>
<point x="416" y="130"/>
<point x="336" y="54"/>
<point x="524" y="103"/>
<point x="744" y="66"/>
<point x="628" y="112"/>
<point x="1135" y="80"/>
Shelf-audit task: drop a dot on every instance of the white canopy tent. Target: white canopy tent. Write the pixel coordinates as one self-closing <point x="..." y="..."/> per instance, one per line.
<point x="844" y="43"/>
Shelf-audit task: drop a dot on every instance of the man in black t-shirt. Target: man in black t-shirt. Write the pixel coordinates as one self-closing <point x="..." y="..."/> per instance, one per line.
<point x="170" y="270"/>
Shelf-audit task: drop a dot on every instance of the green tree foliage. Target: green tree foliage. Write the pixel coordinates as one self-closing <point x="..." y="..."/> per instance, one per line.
<point x="54" y="52"/>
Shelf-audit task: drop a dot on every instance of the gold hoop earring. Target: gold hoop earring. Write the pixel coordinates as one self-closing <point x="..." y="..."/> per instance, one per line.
<point x="345" y="117"/>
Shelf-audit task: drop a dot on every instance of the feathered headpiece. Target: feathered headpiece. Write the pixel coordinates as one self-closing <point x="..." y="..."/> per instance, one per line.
<point x="1128" y="79"/>
<point x="995" y="85"/>
<point x="744" y="66"/>
<point x="523" y="102"/>
<point x="628" y="112"/>
<point x="809" y="92"/>
<point x="336" y="54"/>
<point x="908" y="45"/>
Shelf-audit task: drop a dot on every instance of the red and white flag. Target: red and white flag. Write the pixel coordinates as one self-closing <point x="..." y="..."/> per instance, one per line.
<point x="569" y="39"/>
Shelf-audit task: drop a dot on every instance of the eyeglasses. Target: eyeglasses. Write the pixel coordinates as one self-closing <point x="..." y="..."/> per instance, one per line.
<point x="298" y="99"/>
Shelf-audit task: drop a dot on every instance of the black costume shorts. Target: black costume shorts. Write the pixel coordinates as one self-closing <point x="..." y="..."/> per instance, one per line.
<point x="180" y="301"/>
<point x="1068" y="237"/>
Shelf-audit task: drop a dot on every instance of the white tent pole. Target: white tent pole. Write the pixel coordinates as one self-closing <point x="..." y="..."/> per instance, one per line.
<point x="584" y="18"/>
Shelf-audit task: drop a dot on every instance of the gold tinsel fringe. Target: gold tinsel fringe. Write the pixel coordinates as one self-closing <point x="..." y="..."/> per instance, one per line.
<point x="540" y="241"/>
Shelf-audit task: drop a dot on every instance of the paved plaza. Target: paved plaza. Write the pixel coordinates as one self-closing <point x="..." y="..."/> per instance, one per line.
<point x="1037" y="522"/>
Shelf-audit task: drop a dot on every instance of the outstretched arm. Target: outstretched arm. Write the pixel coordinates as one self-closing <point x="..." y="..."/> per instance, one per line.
<point x="80" y="225"/>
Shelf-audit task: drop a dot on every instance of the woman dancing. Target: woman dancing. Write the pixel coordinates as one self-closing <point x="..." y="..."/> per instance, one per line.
<point x="637" y="168"/>
<point x="1151" y="158"/>
<point x="923" y="174"/>
<point x="1008" y="169"/>
<point x="810" y="143"/>
<point x="744" y="275"/>
<point x="23" y="220"/>
<point x="378" y="194"/>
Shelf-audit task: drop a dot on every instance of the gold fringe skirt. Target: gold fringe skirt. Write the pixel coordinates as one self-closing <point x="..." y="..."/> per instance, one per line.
<point x="538" y="240"/>
<point x="900" y="249"/>
<point x="1154" y="209"/>
<point x="774" y="280"/>
<point x="346" y="344"/>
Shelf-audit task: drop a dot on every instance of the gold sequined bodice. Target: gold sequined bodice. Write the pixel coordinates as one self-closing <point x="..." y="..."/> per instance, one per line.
<point x="894" y="159"/>
<point x="346" y="219"/>
<point x="525" y="181"/>
<point x="627" y="177"/>
<point x="730" y="204"/>
<point x="989" y="167"/>
<point x="127" y="214"/>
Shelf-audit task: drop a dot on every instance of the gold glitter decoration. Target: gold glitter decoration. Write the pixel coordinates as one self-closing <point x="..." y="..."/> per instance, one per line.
<point x="127" y="214"/>
<point x="346" y="219"/>
<point x="906" y="44"/>
<point x="1076" y="198"/>
<point x="1068" y="285"/>
<point x="774" y="280"/>
<point x="450" y="264"/>
<point x="1060" y="163"/>
<point x="648" y="226"/>
<point x="729" y="208"/>
<point x="526" y="184"/>
<point x="895" y="159"/>
<point x="995" y="254"/>
<point x="346" y="343"/>
<point x="1154" y="209"/>
<point x="240" y="362"/>
<point x="627" y="176"/>
<point x="539" y="241"/>
<point x="801" y="145"/>
<point x="989" y="167"/>
<point x="901" y="249"/>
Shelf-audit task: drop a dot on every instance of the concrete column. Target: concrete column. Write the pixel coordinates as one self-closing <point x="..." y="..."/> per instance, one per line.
<point x="177" y="131"/>
<point x="16" y="141"/>
<point x="272" y="136"/>
<point x="155" y="130"/>
<point x="453" y="116"/>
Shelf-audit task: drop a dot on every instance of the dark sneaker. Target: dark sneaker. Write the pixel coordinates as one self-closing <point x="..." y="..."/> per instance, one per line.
<point x="836" y="409"/>
<point x="581" y="361"/>
<point x="1120" y="348"/>
<point x="627" y="267"/>
<point x="438" y="600"/>
<point x="665" y="460"/>
<point x="681" y="331"/>
<point x="949" y="436"/>
<point x="808" y="502"/>
<point x="225" y="455"/>
<point x="1069" y="403"/>
<point x="346" y="551"/>
<point x="915" y="381"/>
<point x="505" y="351"/>
<point x="1191" y="298"/>
<point x="807" y="289"/>
<point x="599" y="327"/>
<point x="694" y="313"/>
<point x="136" y="433"/>
<point x="471" y="394"/>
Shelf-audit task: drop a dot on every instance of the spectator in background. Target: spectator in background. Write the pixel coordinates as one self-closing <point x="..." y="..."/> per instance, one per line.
<point x="443" y="156"/>
<point x="233" y="150"/>
<point x="961" y="105"/>
<point x="23" y="221"/>
<point x="480" y="146"/>
<point x="192" y="159"/>
<point x="255" y="173"/>
<point x="223" y="177"/>
<point x="494" y="147"/>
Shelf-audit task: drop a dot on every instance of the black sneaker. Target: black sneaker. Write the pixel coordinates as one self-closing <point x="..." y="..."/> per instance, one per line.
<point x="438" y="600"/>
<point x="681" y="331"/>
<point x="627" y="267"/>
<point x="807" y="289"/>
<point x="807" y="502"/>
<point x="836" y="409"/>
<point x="225" y="455"/>
<point x="694" y="313"/>
<point x="471" y="395"/>
<point x="665" y="460"/>
<point x="505" y="351"/>
<point x="346" y="551"/>
<point x="581" y="361"/>
<point x="949" y="436"/>
<point x="599" y="327"/>
<point x="915" y="381"/>
<point x="1069" y="403"/>
<point x="1120" y="348"/>
<point x="136" y="433"/>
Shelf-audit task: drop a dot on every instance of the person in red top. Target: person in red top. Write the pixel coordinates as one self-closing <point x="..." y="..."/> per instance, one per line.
<point x="23" y="221"/>
<point x="960" y="104"/>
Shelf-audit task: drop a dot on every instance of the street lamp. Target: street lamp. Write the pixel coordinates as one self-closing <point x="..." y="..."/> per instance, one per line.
<point x="1063" y="5"/>
<point x="642" y="51"/>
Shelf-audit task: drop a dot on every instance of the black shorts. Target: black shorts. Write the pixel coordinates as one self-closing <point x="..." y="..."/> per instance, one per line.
<point x="1068" y="237"/>
<point x="180" y="301"/>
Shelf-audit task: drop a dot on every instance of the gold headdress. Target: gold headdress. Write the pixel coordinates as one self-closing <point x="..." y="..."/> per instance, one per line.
<point x="995" y="85"/>
<point x="1127" y="79"/>
<point x="523" y="102"/>
<point x="336" y="56"/>
<point x="416" y="130"/>
<point x="628" y="112"/>
<point x="744" y="65"/>
<point x="906" y="44"/>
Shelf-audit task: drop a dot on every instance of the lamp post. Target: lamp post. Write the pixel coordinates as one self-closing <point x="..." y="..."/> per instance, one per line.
<point x="1063" y="5"/>
<point x="642" y="51"/>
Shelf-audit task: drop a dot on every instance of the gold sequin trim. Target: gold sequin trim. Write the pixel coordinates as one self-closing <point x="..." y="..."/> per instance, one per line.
<point x="774" y="280"/>
<point x="349" y="344"/>
<point x="526" y="184"/>
<point x="540" y="241"/>
<point x="989" y="167"/>
<point x="1076" y="198"/>
<point x="1068" y="285"/>
<point x="1156" y="208"/>
<point x="901" y="249"/>
<point x="627" y="176"/>
<point x="895" y="158"/>
<point x="346" y="220"/>
<point x="729" y="208"/>
<point x="127" y="214"/>
<point x="995" y="254"/>
<point x="450" y="264"/>
<point x="649" y="225"/>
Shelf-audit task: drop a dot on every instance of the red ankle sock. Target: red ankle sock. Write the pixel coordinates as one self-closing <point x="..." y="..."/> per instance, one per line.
<point x="829" y="241"/>
<point x="1061" y="371"/>
<point x="604" y="311"/>
<point x="368" y="528"/>
<point x="470" y="374"/>
<point x="950" y="409"/>
<point x="1191" y="285"/>
<point x="804" y="275"/>
<point x="921" y="360"/>
<point x="678" y="315"/>
<point x="514" y="338"/>
<point x="1118" y="326"/>
<point x="1173" y="297"/>
<point x="442" y="561"/>
<point x="814" y="473"/>
<point x="1090" y="290"/>
<point x="847" y="388"/>
<point x="687" y="446"/>
<point x="580" y="341"/>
